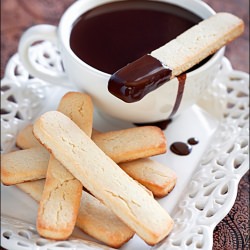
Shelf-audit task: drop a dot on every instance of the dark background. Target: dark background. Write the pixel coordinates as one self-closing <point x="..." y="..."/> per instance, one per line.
<point x="232" y="233"/>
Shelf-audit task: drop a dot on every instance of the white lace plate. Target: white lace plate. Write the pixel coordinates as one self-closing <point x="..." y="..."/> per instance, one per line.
<point x="207" y="178"/>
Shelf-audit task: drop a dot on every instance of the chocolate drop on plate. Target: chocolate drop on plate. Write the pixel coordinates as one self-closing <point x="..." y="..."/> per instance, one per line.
<point x="180" y="148"/>
<point x="193" y="141"/>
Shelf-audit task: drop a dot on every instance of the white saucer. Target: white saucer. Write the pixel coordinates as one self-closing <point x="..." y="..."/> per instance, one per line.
<point x="207" y="178"/>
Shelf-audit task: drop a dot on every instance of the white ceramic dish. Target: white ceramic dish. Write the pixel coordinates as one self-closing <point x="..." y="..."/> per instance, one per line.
<point x="207" y="178"/>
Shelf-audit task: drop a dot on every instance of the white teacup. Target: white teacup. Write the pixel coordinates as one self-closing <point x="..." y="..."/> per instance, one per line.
<point x="155" y="106"/>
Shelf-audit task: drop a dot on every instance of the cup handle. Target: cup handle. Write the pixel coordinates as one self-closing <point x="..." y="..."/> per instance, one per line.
<point x="42" y="32"/>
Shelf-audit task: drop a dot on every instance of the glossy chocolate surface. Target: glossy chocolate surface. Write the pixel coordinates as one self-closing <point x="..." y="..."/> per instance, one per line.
<point x="180" y="91"/>
<point x="110" y="36"/>
<point x="193" y="141"/>
<point x="138" y="78"/>
<point x="183" y="148"/>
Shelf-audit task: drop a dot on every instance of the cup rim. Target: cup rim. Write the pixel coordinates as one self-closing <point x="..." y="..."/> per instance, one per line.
<point x="77" y="6"/>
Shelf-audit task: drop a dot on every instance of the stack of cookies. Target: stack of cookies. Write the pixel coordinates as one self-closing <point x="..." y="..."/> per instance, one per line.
<point x="103" y="183"/>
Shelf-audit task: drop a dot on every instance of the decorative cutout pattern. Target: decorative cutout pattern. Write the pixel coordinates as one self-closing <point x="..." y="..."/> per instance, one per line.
<point x="22" y="95"/>
<point x="213" y="188"/>
<point x="16" y="234"/>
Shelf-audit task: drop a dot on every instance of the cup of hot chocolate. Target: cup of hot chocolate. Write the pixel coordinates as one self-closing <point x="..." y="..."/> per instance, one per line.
<point x="97" y="38"/>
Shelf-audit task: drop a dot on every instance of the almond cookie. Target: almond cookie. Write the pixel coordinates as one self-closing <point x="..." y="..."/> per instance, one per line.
<point x="132" y="143"/>
<point x="159" y="179"/>
<point x="93" y="218"/>
<point x="59" y="205"/>
<point x="103" y="177"/>
<point x="24" y="165"/>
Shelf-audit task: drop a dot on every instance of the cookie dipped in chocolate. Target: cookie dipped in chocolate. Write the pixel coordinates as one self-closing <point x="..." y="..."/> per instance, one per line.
<point x="132" y="82"/>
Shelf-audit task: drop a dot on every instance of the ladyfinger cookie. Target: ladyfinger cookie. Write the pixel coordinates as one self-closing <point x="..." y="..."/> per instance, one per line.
<point x="24" y="165"/>
<point x="159" y="179"/>
<point x="198" y="42"/>
<point x="154" y="176"/>
<point x="132" y="143"/>
<point x="93" y="218"/>
<point x="33" y="188"/>
<point x="79" y="108"/>
<point x="103" y="177"/>
<point x="60" y="202"/>
<point x="62" y="192"/>
<point x="142" y="76"/>
<point x="141" y="142"/>
<point x="98" y="221"/>
<point x="25" y="138"/>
